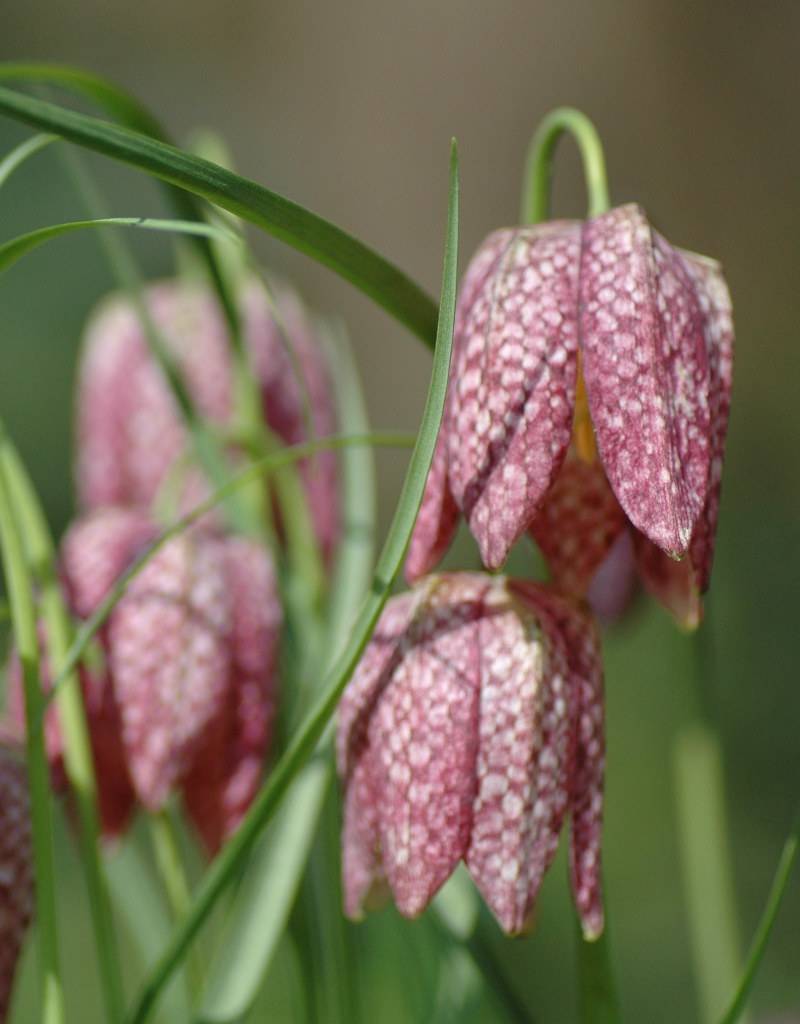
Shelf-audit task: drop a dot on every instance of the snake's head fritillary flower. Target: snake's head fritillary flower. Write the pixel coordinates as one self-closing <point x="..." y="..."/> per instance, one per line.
<point x="589" y="394"/>
<point x="228" y="767"/>
<point x="16" y="870"/>
<point x="472" y="727"/>
<point x="130" y="438"/>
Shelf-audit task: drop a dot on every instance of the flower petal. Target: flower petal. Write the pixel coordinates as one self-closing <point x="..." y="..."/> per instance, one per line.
<point x="437" y="519"/>
<point x="646" y="371"/>
<point x="514" y="390"/>
<point x="228" y="767"/>
<point x="614" y="585"/>
<point x="16" y="869"/>
<point x="524" y="757"/>
<point x="423" y="735"/>
<point x="362" y="868"/>
<point x="715" y="302"/>
<point x="577" y="524"/>
<point x="169" y="661"/>
<point x="673" y="584"/>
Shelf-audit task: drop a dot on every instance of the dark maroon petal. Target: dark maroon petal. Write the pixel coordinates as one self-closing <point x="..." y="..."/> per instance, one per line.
<point x="577" y="524"/>
<point x="524" y="756"/>
<point x="170" y="660"/>
<point x="437" y="519"/>
<point x="16" y="868"/>
<point x="673" y="584"/>
<point x="423" y="735"/>
<point x="227" y="770"/>
<point x="514" y="390"/>
<point x="716" y="305"/>
<point x="564" y="619"/>
<point x="647" y="377"/>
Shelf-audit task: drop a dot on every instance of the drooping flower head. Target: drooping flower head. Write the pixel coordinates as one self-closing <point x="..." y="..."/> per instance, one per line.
<point x="589" y="394"/>
<point x="185" y="693"/>
<point x="130" y="437"/>
<point x="16" y="870"/>
<point x="472" y="726"/>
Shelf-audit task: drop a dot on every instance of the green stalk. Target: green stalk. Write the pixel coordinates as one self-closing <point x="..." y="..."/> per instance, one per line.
<point x="788" y="859"/>
<point x="704" y="843"/>
<point x="539" y="164"/>
<point x="20" y="591"/>
<point x="598" y="999"/>
<point x="78" y="758"/>
<point x="313" y="726"/>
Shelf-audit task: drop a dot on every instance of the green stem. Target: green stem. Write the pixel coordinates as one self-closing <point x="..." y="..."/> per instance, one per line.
<point x="539" y="164"/>
<point x="313" y="726"/>
<point x="704" y="841"/>
<point x="20" y="590"/>
<point x="170" y="868"/>
<point x="78" y="758"/>
<point x="786" y="863"/>
<point x="597" y="992"/>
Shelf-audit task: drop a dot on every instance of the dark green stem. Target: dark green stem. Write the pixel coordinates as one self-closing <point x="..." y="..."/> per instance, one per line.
<point x="539" y="164"/>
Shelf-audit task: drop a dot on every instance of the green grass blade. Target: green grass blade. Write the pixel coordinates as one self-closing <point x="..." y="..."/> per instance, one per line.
<point x="389" y="564"/>
<point x="18" y="247"/>
<point x="280" y="217"/>
<point x="597" y="991"/>
<point x="786" y="864"/>
<point x="19" y="154"/>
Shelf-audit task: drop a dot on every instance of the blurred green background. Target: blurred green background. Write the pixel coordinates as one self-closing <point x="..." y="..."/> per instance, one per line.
<point x="348" y="108"/>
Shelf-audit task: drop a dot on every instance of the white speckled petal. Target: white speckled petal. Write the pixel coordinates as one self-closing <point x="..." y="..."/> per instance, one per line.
<point x="16" y="867"/>
<point x="715" y="302"/>
<point x="577" y="524"/>
<point x="423" y="734"/>
<point x="437" y="520"/>
<point x="170" y="661"/>
<point x="362" y="868"/>
<point x="646" y="371"/>
<point x="514" y="391"/>
<point x="524" y="756"/>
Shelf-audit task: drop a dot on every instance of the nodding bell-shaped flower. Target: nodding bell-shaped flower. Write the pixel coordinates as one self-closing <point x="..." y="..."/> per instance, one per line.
<point x="472" y="726"/>
<point x="185" y="698"/>
<point x="130" y="436"/>
<point x="16" y="870"/>
<point x="589" y="394"/>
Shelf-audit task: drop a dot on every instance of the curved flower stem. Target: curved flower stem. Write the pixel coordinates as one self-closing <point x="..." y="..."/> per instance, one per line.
<point x="704" y="843"/>
<point x="78" y="757"/>
<point x="539" y="164"/>
<point x="20" y="591"/>
<point x="791" y="849"/>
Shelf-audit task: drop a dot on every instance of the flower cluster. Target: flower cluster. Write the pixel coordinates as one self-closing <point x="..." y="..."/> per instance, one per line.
<point x="180" y="695"/>
<point x="587" y="406"/>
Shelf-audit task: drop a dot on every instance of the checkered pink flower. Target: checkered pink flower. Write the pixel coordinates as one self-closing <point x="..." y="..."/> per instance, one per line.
<point x="472" y="726"/>
<point x="16" y="870"/>
<point x="572" y="341"/>
<point x="130" y="437"/>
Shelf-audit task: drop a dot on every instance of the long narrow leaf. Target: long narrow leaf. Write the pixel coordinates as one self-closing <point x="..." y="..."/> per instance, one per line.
<point x="19" y="154"/>
<point x="18" y="247"/>
<point x="389" y="564"/>
<point x="288" y="221"/>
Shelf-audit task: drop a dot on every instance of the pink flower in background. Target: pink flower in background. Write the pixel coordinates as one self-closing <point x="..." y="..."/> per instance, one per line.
<point x="129" y="434"/>
<point x="472" y="726"/>
<point x="16" y="871"/>
<point x="186" y="693"/>
<point x="589" y="394"/>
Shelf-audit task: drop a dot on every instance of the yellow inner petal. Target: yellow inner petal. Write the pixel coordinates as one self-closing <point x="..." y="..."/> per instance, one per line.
<point x="582" y="430"/>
